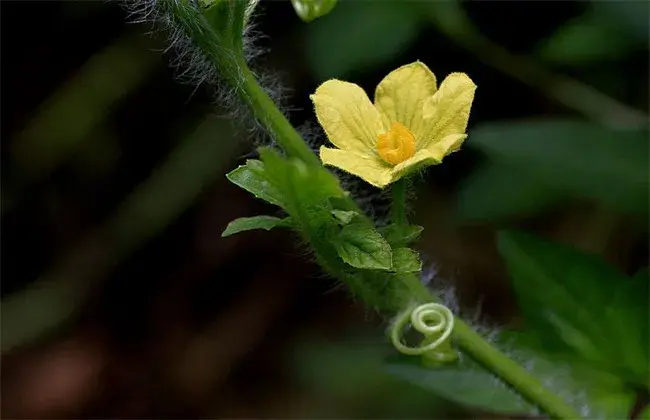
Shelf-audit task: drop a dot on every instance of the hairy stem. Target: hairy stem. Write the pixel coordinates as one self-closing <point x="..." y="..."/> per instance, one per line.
<point x="398" y="210"/>
<point x="222" y="46"/>
<point x="511" y="372"/>
<point x="273" y="120"/>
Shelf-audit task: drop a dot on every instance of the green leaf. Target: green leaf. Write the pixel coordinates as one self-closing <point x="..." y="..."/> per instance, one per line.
<point x="401" y="235"/>
<point x="308" y="186"/>
<point x="252" y="177"/>
<point x="631" y="16"/>
<point x="309" y="10"/>
<point x="580" y="158"/>
<point x="344" y="217"/>
<point x="251" y="223"/>
<point x="589" y="38"/>
<point x="374" y="34"/>
<point x="361" y="246"/>
<point x="492" y="193"/>
<point x="465" y="383"/>
<point x="307" y="193"/>
<point x="580" y="305"/>
<point x="406" y="260"/>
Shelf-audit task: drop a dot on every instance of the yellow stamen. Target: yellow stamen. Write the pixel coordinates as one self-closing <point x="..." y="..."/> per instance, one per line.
<point x="397" y="145"/>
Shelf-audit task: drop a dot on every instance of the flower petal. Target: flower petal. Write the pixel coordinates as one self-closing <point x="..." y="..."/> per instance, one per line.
<point x="433" y="155"/>
<point x="417" y="161"/>
<point x="447" y="145"/>
<point x="447" y="111"/>
<point x="400" y="96"/>
<point x="349" y="119"/>
<point x="372" y="170"/>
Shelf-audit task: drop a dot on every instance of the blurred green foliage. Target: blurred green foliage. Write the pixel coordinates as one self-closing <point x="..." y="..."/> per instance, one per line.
<point x="519" y="193"/>
<point x="631" y="16"/>
<point x="584" y="314"/>
<point x="548" y="159"/>
<point x="151" y="207"/>
<point x="591" y="37"/>
<point x="351" y="370"/>
<point x="71" y="115"/>
<point x="466" y="383"/>
<point x="354" y="37"/>
<point x="580" y="306"/>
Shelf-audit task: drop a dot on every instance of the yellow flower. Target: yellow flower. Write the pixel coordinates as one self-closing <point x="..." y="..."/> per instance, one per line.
<point x="411" y="124"/>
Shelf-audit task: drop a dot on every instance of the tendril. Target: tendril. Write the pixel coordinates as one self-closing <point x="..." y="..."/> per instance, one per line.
<point x="436" y="323"/>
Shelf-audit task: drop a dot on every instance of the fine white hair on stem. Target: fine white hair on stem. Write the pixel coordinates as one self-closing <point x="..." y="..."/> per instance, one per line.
<point x="442" y="287"/>
<point x="554" y="375"/>
<point x="193" y="67"/>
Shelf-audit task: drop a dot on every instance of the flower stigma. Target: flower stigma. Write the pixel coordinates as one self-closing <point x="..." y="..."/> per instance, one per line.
<point x="396" y="145"/>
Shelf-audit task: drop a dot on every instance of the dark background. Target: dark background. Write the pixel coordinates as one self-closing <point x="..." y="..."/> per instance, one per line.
<point x="120" y="298"/>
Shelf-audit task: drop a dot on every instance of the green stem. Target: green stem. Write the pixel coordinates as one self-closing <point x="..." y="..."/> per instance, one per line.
<point x="399" y="190"/>
<point x="217" y="33"/>
<point x="272" y="119"/>
<point x="511" y="372"/>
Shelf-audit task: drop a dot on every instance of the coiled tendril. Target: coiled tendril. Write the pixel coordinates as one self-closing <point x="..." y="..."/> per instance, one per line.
<point x="436" y="323"/>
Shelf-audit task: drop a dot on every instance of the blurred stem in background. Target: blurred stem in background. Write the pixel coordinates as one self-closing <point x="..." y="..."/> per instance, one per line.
<point x="450" y="18"/>
<point x="198" y="160"/>
<point x="88" y="97"/>
<point x="595" y="229"/>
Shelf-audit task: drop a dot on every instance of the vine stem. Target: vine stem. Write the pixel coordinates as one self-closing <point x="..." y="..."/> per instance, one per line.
<point x="468" y="340"/>
<point x="268" y="114"/>
<point x="399" y="190"/>
<point x="510" y="371"/>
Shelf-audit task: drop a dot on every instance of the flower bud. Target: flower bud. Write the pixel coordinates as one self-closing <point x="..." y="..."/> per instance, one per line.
<point x="309" y="10"/>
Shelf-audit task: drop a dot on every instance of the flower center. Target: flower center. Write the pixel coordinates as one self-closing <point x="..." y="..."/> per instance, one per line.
<point x="397" y="145"/>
